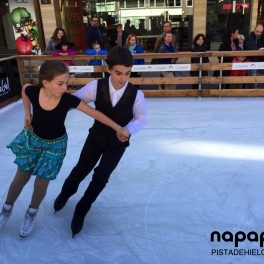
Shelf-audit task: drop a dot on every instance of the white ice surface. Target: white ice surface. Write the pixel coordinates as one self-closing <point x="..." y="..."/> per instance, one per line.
<point x="197" y="167"/>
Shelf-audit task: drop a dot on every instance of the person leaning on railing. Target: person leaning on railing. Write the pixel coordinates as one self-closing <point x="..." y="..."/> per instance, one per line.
<point x="54" y="41"/>
<point x="166" y="47"/>
<point x="198" y="46"/>
<point x="230" y="43"/>
<point x="134" y="48"/>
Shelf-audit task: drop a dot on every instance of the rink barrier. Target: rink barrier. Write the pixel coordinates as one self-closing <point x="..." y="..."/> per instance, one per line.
<point x="28" y="67"/>
<point x="10" y="88"/>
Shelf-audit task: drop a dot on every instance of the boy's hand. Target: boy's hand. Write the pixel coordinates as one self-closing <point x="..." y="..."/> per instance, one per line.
<point x="27" y="121"/>
<point x="123" y="134"/>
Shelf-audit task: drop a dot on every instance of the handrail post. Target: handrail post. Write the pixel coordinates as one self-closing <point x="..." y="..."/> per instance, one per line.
<point x="200" y="76"/>
<point x="200" y="72"/>
<point x="221" y="72"/>
<point x="103" y="68"/>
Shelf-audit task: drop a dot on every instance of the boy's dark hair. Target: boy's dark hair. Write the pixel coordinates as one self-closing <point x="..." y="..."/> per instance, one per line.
<point x="51" y="69"/>
<point x="119" y="56"/>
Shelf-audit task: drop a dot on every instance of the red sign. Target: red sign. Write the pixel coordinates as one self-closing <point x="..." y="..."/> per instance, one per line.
<point x="238" y="6"/>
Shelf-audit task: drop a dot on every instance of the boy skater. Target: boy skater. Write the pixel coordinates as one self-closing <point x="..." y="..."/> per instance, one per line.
<point x="125" y="104"/>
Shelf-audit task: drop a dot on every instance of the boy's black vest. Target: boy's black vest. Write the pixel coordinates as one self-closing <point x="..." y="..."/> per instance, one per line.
<point x="122" y="113"/>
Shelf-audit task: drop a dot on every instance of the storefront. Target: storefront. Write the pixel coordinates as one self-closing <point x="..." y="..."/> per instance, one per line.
<point x="221" y="14"/>
<point x="142" y="17"/>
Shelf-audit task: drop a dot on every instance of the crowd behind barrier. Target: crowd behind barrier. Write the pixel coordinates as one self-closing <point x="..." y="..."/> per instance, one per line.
<point x="27" y="68"/>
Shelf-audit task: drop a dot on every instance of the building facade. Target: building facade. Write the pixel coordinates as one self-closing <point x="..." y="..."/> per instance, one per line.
<point x="141" y="17"/>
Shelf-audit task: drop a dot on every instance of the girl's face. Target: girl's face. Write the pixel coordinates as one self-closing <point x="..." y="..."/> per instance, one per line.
<point x="60" y="34"/>
<point x="58" y="85"/>
<point x="200" y="41"/>
<point x="132" y="41"/>
<point x="168" y="38"/>
<point x="64" y="47"/>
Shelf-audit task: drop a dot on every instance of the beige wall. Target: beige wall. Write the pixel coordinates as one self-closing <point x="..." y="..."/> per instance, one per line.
<point x="48" y="20"/>
<point x="254" y="15"/>
<point x="199" y="17"/>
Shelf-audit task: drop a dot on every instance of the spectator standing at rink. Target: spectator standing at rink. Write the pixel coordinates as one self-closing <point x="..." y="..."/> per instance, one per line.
<point x="253" y="42"/>
<point x="199" y="46"/>
<point x="54" y="40"/>
<point x="238" y="59"/>
<point x="166" y="28"/>
<point x="96" y="51"/>
<point x="241" y="40"/>
<point x="94" y="34"/>
<point x="119" y="37"/>
<point x="65" y="49"/>
<point x="134" y="48"/>
<point x="166" y="47"/>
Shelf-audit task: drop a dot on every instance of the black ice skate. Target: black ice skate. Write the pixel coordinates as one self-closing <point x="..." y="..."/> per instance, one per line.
<point x="76" y="224"/>
<point x="60" y="202"/>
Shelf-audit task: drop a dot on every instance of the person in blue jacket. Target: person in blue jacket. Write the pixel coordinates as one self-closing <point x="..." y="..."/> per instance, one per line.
<point x="134" y="48"/>
<point x="96" y="51"/>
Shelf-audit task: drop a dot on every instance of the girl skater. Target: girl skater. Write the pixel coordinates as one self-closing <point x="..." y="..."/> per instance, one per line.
<point x="41" y="146"/>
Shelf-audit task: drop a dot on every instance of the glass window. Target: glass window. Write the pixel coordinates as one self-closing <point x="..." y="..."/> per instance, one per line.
<point x="171" y="2"/>
<point x="131" y="3"/>
<point x="221" y="15"/>
<point x="122" y="3"/>
<point x="160" y="3"/>
<point x="178" y="3"/>
<point x="141" y="3"/>
<point x="152" y="2"/>
<point x="189" y="3"/>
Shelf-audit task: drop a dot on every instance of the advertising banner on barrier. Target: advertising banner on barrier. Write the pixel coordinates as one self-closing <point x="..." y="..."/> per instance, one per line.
<point x="25" y="27"/>
<point x="248" y="66"/>
<point x="161" y="67"/>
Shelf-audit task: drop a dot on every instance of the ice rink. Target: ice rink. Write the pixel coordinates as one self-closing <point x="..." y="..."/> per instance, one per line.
<point x="196" y="168"/>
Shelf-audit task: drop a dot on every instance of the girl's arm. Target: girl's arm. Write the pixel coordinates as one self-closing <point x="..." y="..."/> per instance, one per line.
<point x="56" y="53"/>
<point x="102" y="118"/>
<point x="71" y="52"/>
<point x="27" y="107"/>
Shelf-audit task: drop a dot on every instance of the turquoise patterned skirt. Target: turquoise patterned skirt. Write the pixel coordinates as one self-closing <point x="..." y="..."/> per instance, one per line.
<point x="38" y="156"/>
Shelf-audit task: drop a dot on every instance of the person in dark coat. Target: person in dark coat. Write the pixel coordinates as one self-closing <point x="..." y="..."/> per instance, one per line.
<point x="230" y="43"/>
<point x="199" y="46"/>
<point x="94" y="34"/>
<point x="119" y="37"/>
<point x="254" y="42"/>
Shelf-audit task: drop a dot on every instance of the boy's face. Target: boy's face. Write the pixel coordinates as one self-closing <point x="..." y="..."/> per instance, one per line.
<point x="241" y="59"/>
<point x="97" y="48"/>
<point x="119" y="75"/>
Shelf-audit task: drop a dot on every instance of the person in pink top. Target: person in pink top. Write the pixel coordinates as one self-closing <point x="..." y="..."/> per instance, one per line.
<point x="65" y="49"/>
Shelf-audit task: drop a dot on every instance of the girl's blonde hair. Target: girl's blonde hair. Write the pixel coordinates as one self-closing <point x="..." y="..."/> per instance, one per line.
<point x="129" y="37"/>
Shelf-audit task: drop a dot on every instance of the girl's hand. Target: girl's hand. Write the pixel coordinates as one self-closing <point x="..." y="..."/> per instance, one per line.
<point x="123" y="134"/>
<point x="27" y="121"/>
<point x="138" y="73"/>
<point x="172" y="60"/>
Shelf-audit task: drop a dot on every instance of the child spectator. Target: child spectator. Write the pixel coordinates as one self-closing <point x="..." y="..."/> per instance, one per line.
<point x="96" y="51"/>
<point x="238" y="59"/>
<point x="64" y="49"/>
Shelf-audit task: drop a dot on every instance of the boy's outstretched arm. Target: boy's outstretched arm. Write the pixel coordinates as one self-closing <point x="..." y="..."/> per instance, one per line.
<point x="27" y="107"/>
<point x="102" y="118"/>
